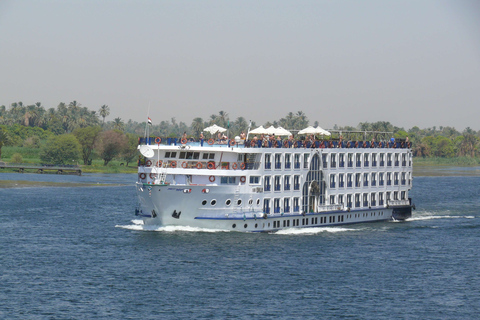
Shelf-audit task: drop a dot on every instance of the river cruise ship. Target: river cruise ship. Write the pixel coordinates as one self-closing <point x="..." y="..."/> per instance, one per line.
<point x="267" y="185"/>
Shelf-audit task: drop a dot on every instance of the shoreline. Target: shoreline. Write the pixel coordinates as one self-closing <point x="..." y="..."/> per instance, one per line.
<point x="9" y="184"/>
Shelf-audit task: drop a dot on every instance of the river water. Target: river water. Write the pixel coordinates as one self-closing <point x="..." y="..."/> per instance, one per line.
<point x="74" y="253"/>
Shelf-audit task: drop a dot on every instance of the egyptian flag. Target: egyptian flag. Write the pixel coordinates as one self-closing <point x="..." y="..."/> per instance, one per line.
<point x="149" y="120"/>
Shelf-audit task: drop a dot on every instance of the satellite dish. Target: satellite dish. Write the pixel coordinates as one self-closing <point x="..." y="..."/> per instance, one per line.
<point x="146" y="151"/>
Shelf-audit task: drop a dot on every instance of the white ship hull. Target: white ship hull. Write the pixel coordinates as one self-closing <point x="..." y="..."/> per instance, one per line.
<point x="241" y="189"/>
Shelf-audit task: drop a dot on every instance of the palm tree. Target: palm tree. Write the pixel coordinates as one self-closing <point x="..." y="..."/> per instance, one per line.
<point x="118" y="124"/>
<point x="223" y="118"/>
<point x="104" y="112"/>
<point x="197" y="126"/>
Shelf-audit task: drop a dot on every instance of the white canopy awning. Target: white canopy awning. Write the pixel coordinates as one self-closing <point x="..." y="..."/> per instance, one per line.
<point x="214" y="129"/>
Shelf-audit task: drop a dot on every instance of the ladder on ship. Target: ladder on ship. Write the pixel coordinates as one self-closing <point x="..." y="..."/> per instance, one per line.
<point x="162" y="175"/>
<point x="235" y="199"/>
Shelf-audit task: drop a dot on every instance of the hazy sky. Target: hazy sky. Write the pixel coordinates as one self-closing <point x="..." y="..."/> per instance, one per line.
<point x="341" y="62"/>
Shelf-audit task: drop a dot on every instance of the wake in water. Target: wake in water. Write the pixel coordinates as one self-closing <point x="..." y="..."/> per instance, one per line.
<point x="309" y="231"/>
<point x="432" y="215"/>
<point x="139" y="226"/>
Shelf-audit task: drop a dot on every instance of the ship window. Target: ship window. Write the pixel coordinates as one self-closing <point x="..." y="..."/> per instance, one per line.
<point x="227" y="180"/>
<point x="250" y="201"/>
<point x="305" y="160"/>
<point x="286" y="204"/>
<point x="234" y="226"/>
<point x="324" y="160"/>
<point x="333" y="160"/>
<point x="245" y="225"/>
<point x="213" y="202"/>
<point x="340" y="199"/>
<point x="182" y="155"/>
<point x="207" y="156"/>
<point x="169" y="154"/>
<point x="296" y="182"/>
<point x="204" y="202"/>
<point x="258" y="202"/>
<point x="239" y="202"/>
<point x="268" y="161"/>
<point x="254" y="179"/>
<point x="276" y="183"/>
<point x="228" y="202"/>
<point x="286" y="182"/>
<point x="266" y="185"/>
<point x="288" y="160"/>
<point x="296" y="204"/>
<point x="276" y="205"/>
<point x="240" y="157"/>
<point x="278" y="161"/>
<point x="296" y="159"/>
<point x="332" y="199"/>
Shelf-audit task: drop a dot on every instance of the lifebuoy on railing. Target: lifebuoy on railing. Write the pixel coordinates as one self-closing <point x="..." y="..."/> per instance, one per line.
<point x="243" y="179"/>
<point x="211" y="165"/>
<point x="199" y="165"/>
<point x="152" y="175"/>
<point x="211" y="141"/>
<point x="242" y="165"/>
<point x="211" y="178"/>
<point x="183" y="141"/>
<point x="232" y="142"/>
<point x="142" y="175"/>
<point x="184" y="164"/>
<point x="234" y="166"/>
<point x="158" y="140"/>
<point x="159" y="163"/>
<point x="173" y="164"/>
<point x="148" y="163"/>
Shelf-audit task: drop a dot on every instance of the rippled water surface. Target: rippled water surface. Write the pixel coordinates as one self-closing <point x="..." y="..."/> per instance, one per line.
<point x="74" y="253"/>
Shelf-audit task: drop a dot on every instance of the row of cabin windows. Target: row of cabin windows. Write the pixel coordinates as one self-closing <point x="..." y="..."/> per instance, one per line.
<point x="357" y="180"/>
<point x="359" y="200"/>
<point x="275" y="183"/>
<point x="189" y="155"/>
<point x="340" y="160"/>
<point x="312" y="221"/>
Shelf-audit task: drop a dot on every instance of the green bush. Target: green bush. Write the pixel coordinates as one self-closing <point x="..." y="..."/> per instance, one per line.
<point x="16" y="158"/>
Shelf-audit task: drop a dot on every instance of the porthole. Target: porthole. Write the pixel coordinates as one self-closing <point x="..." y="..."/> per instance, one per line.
<point x="204" y="202"/>
<point x="213" y="202"/>
<point x="228" y="202"/>
<point x="250" y="201"/>
<point x="245" y="226"/>
<point x="258" y="202"/>
<point x="234" y="226"/>
<point x="256" y="225"/>
<point x="239" y="202"/>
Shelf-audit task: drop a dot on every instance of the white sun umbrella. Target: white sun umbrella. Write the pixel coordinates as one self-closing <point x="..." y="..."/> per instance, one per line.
<point x="259" y="130"/>
<point x="282" y="132"/>
<point x="214" y="129"/>
<point x="323" y="131"/>
<point x="308" y="130"/>
<point x="271" y="130"/>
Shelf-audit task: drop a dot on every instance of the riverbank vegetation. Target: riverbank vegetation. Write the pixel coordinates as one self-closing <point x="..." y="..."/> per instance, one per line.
<point x="73" y="134"/>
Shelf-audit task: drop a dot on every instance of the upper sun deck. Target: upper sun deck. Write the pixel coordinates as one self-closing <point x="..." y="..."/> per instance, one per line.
<point x="258" y="145"/>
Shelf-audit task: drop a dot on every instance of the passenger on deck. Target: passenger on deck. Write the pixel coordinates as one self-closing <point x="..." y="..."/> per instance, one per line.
<point x="201" y="136"/>
<point x="242" y="135"/>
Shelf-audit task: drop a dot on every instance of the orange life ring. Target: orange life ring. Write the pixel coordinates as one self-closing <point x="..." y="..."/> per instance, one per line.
<point x="232" y="142"/>
<point x="142" y="176"/>
<point x="152" y="175"/>
<point x="158" y="140"/>
<point x="211" y="178"/>
<point x="184" y="164"/>
<point x="183" y="141"/>
<point x="199" y="165"/>
<point x="173" y="164"/>
<point x="159" y="163"/>
<point x="148" y="163"/>
<point x="211" y="165"/>
<point x="242" y="165"/>
<point x="243" y="179"/>
<point x="211" y="141"/>
<point x="234" y="166"/>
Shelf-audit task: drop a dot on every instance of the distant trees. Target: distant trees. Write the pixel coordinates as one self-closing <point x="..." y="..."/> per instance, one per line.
<point x="110" y="145"/>
<point x="104" y="111"/>
<point x="87" y="138"/>
<point x="61" y="149"/>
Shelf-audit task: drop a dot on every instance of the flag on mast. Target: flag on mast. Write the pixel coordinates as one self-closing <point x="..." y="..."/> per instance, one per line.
<point x="149" y="120"/>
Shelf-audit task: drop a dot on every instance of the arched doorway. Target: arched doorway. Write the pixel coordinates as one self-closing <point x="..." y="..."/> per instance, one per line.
<point x="313" y="195"/>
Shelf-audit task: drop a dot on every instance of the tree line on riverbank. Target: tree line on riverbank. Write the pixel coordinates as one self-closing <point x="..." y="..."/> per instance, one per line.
<point x="72" y="132"/>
